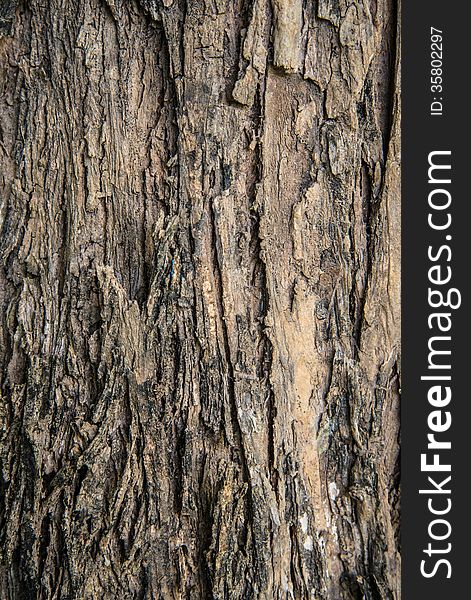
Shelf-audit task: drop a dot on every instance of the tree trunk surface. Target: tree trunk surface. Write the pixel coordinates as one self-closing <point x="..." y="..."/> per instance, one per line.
<point x="200" y="299"/>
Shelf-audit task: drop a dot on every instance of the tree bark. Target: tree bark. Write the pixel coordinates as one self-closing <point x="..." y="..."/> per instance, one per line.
<point x="200" y="299"/>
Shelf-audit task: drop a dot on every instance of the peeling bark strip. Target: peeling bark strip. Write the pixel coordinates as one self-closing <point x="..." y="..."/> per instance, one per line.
<point x="200" y="300"/>
<point x="287" y="34"/>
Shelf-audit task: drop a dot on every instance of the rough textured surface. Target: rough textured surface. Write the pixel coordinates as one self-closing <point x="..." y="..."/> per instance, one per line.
<point x="199" y="296"/>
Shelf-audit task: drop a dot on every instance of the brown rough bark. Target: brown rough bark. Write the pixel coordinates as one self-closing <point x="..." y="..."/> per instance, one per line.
<point x="200" y="244"/>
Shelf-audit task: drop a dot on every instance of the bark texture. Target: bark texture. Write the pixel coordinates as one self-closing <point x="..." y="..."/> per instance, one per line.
<point x="200" y="253"/>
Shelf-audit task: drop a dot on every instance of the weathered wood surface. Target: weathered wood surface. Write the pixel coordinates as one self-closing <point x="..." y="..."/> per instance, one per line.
<point x="200" y="246"/>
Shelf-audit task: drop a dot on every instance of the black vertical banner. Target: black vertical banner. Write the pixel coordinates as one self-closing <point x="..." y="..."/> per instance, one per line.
<point x="436" y="423"/>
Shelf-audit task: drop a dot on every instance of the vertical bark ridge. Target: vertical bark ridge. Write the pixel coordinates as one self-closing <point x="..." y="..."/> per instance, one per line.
<point x="200" y="299"/>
